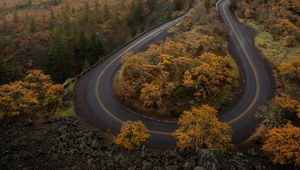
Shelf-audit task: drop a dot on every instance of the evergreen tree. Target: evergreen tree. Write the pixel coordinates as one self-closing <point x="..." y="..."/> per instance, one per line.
<point x="86" y="15"/>
<point x="207" y="4"/>
<point x="16" y="17"/>
<point x="52" y="20"/>
<point x="66" y="23"/>
<point x="97" y="6"/>
<point x="32" y="25"/>
<point x="135" y="16"/>
<point x="60" y="64"/>
<point x="4" y="26"/>
<point x="96" y="48"/>
<point x="122" y="2"/>
<point x="106" y="12"/>
<point x="178" y="5"/>
<point x="151" y="4"/>
<point x="82" y="43"/>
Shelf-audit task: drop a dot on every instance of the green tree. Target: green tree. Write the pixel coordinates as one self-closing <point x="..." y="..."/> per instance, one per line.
<point x="60" y="64"/>
<point x="96" y="48"/>
<point x="66" y="23"/>
<point x="16" y="17"/>
<point x="32" y="25"/>
<point x="4" y="26"/>
<point x="86" y="15"/>
<point x="135" y="16"/>
<point x="106" y="12"/>
<point x="52" y="20"/>
<point x="207" y="4"/>
<point x="178" y="5"/>
<point x="151" y="4"/>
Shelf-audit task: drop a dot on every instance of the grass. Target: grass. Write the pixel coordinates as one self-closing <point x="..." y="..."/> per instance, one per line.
<point x="68" y="110"/>
<point x="274" y="50"/>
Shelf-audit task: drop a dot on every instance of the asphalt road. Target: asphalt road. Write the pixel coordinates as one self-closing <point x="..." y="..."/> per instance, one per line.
<point x="96" y="104"/>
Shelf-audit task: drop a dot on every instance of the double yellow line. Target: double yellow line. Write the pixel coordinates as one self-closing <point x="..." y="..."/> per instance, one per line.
<point x="153" y="33"/>
<point x="107" y="66"/>
<point x="257" y="86"/>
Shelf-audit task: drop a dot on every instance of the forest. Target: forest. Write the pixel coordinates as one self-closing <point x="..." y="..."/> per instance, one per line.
<point x="63" y="38"/>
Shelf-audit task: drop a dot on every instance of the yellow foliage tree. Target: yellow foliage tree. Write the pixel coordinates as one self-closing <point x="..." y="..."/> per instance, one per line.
<point x="132" y="135"/>
<point x="283" y="145"/>
<point x="291" y="69"/>
<point x="201" y="128"/>
<point x="151" y="94"/>
<point x="210" y="76"/>
<point x="16" y="98"/>
<point x="31" y="96"/>
<point x="280" y="111"/>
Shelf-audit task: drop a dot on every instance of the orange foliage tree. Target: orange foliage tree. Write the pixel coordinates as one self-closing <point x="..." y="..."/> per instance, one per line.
<point x="201" y="128"/>
<point x="283" y="145"/>
<point x="291" y="69"/>
<point x="31" y="96"/>
<point x="151" y="94"/>
<point x="210" y="76"/>
<point x="132" y="135"/>
<point x="281" y="110"/>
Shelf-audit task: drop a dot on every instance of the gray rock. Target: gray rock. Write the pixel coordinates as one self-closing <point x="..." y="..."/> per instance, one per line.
<point x="199" y="168"/>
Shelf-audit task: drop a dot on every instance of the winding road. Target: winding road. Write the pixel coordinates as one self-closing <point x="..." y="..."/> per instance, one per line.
<point x="96" y="104"/>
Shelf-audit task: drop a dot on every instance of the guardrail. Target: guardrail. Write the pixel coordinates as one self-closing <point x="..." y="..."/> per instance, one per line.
<point x="122" y="46"/>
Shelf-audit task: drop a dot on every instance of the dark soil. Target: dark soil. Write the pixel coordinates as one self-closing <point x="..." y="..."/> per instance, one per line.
<point x="67" y="144"/>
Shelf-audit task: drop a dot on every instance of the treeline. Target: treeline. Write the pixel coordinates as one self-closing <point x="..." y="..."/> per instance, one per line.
<point x="75" y="35"/>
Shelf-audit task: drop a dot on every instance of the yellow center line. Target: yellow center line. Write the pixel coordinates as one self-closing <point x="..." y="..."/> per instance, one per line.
<point x="120" y="55"/>
<point x="146" y="37"/>
<point x="257" y="89"/>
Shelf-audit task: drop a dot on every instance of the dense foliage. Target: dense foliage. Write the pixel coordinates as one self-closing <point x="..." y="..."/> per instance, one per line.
<point x="187" y="70"/>
<point x="65" y="37"/>
<point x="35" y="97"/>
<point x="132" y="135"/>
<point x="280" y="17"/>
<point x="282" y="145"/>
<point x="200" y="128"/>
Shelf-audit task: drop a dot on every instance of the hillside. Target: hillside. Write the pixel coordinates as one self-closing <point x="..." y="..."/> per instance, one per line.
<point x="63" y="37"/>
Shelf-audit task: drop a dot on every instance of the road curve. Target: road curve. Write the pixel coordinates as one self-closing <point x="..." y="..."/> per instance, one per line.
<point x="96" y="104"/>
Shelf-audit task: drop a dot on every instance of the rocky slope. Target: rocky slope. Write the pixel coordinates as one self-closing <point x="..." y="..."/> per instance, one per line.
<point x="66" y="144"/>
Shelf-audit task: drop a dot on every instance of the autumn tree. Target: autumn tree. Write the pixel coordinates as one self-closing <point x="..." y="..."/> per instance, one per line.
<point x="200" y="128"/>
<point x="280" y="111"/>
<point x="283" y="145"/>
<point x="151" y="94"/>
<point x="125" y="89"/>
<point x="30" y="96"/>
<point x="209" y="78"/>
<point x="132" y="135"/>
<point x="291" y="69"/>
<point x="16" y="99"/>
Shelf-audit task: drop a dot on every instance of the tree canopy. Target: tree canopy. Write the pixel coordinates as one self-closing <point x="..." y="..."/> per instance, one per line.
<point x="200" y="128"/>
